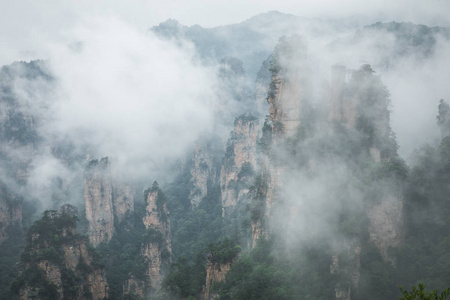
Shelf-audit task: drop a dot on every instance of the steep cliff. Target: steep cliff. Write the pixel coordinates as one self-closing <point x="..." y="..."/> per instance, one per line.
<point x="58" y="263"/>
<point x="290" y="88"/>
<point x="157" y="248"/>
<point x="134" y="288"/>
<point x="107" y="200"/>
<point x="98" y="199"/>
<point x="215" y="273"/>
<point x="316" y="159"/>
<point x="204" y="167"/>
<point x="289" y="97"/>
<point x="238" y="167"/>
<point x="386" y="227"/>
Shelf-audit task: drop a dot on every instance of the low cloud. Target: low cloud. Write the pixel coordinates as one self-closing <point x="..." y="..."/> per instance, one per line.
<point x="129" y="95"/>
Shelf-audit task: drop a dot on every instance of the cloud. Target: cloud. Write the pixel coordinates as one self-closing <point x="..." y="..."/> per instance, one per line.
<point x="129" y="95"/>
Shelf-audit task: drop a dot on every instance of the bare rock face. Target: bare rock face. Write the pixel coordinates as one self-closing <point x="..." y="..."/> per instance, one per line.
<point x="204" y="168"/>
<point x="157" y="248"/>
<point x="134" y="288"/>
<point x="58" y="263"/>
<point x="239" y="164"/>
<point x="99" y="205"/>
<point x="290" y="89"/>
<point x="107" y="200"/>
<point x="285" y="104"/>
<point x="386" y="224"/>
<point x="10" y="212"/>
<point x="215" y="272"/>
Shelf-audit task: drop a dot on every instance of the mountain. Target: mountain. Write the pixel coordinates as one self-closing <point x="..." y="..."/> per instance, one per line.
<point x="297" y="191"/>
<point x="251" y="41"/>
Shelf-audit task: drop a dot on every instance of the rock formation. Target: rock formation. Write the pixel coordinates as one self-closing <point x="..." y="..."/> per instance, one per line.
<point x="134" y="288"/>
<point x="98" y="197"/>
<point x="107" y="200"/>
<point x="58" y="263"/>
<point x="215" y="273"/>
<point x="204" y="168"/>
<point x="157" y="248"/>
<point x="386" y="224"/>
<point x="238" y="167"/>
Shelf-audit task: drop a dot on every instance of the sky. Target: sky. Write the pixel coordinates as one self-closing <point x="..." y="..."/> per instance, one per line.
<point x="26" y="23"/>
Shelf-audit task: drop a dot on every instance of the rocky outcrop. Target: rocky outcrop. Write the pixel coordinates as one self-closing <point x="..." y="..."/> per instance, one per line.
<point x="98" y="198"/>
<point x="239" y="164"/>
<point x="215" y="273"/>
<point x="285" y="104"/>
<point x="134" y="288"/>
<point x="204" y="168"/>
<point x="386" y="224"/>
<point x="107" y="200"/>
<point x="58" y="263"/>
<point x="290" y="90"/>
<point x="157" y="248"/>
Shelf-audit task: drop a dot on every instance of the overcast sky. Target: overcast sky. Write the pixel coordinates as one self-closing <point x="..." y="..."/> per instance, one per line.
<point x="26" y="23"/>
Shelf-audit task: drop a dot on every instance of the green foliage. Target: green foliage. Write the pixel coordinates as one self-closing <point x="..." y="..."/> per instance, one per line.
<point x="265" y="141"/>
<point x="419" y="293"/>
<point x="153" y="236"/>
<point x="257" y="193"/>
<point x="224" y="251"/>
<point x="377" y="275"/>
<point x="186" y="277"/>
<point x="264" y="274"/>
<point x="10" y="250"/>
<point x="161" y="200"/>
<point x="122" y="255"/>
<point x="45" y="237"/>
<point x="193" y="230"/>
<point x="424" y="255"/>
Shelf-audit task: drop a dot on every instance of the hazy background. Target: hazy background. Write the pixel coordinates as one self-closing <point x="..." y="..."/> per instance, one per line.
<point x="105" y="60"/>
<point x="27" y="24"/>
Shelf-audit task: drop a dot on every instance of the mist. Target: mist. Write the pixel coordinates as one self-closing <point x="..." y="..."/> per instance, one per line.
<point x="350" y="101"/>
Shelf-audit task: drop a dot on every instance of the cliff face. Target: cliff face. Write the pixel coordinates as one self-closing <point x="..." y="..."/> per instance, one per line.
<point x="157" y="248"/>
<point x="204" y="168"/>
<point x="58" y="263"/>
<point x="134" y="288"/>
<point x="215" y="272"/>
<point x="98" y="199"/>
<point x="239" y="164"/>
<point x="106" y="200"/>
<point x="386" y="224"/>
<point x="355" y="110"/>
<point x="285" y="103"/>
